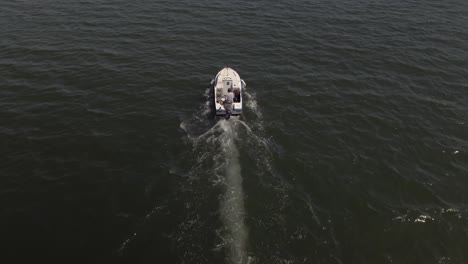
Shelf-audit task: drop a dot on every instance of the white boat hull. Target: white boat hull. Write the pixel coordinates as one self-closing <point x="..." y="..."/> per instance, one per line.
<point x="227" y="78"/>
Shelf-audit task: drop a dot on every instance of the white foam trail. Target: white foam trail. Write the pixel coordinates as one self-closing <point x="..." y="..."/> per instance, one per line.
<point x="215" y="150"/>
<point x="232" y="206"/>
<point x="208" y="134"/>
<point x="252" y="104"/>
<point x="216" y="145"/>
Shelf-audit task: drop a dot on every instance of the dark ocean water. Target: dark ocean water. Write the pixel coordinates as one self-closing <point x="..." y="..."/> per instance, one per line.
<point x="353" y="147"/>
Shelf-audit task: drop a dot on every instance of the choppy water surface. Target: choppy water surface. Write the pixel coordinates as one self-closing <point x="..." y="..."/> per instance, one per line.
<point x="353" y="147"/>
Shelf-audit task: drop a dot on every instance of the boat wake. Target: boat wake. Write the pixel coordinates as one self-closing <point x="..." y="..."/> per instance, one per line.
<point x="232" y="212"/>
<point x="215" y="144"/>
<point x="211" y="210"/>
<point x="217" y="147"/>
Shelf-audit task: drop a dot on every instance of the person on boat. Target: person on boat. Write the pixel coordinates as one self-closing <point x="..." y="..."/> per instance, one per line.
<point x="236" y="96"/>
<point x="228" y="103"/>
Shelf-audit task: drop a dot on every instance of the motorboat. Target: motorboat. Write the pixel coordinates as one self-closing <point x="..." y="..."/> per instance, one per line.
<point x="225" y="79"/>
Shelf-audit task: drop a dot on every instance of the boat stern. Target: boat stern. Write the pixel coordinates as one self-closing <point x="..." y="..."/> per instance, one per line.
<point x="236" y="109"/>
